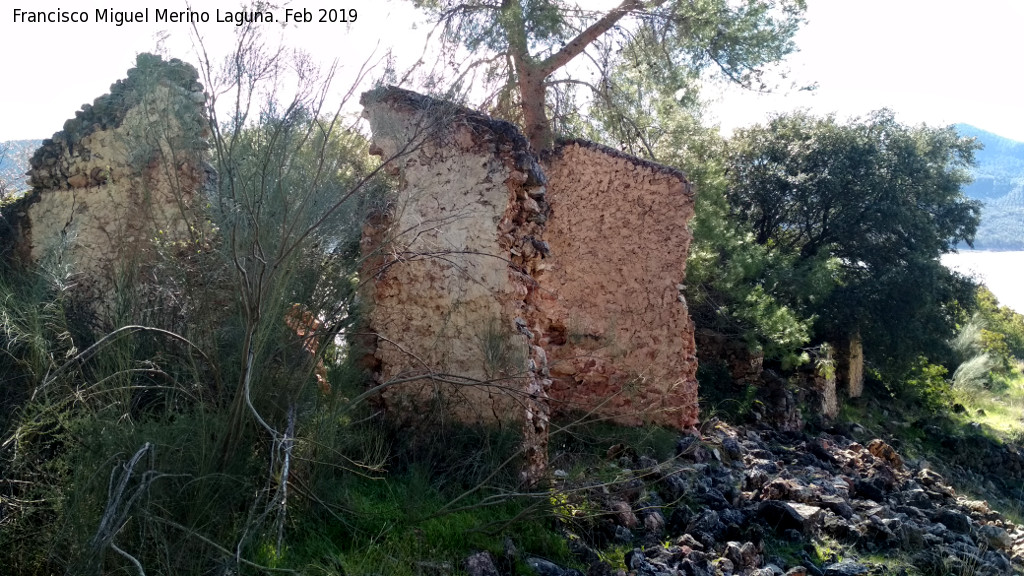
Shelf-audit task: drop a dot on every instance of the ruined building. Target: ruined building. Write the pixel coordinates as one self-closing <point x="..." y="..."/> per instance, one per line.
<point x="117" y="183"/>
<point x="500" y="287"/>
<point x="504" y="286"/>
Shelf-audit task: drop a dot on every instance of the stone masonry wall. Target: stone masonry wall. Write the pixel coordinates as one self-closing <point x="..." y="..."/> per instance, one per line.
<point x="619" y="337"/>
<point x="851" y="366"/>
<point x="744" y="365"/>
<point x="116" y="183"/>
<point x="485" y="272"/>
<point x="451" y="264"/>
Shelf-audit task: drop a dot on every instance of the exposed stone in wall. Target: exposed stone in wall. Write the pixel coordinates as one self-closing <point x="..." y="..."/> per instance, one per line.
<point x="619" y="337"/>
<point x="744" y="365"/>
<point x="824" y="401"/>
<point x="487" y="270"/>
<point x="451" y="300"/>
<point x="851" y="367"/>
<point x="116" y="184"/>
<point x="815" y="387"/>
<point x="779" y="404"/>
<point x="817" y="380"/>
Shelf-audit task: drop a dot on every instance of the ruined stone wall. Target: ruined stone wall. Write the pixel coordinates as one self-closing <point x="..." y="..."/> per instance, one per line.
<point x="115" y="185"/>
<point x="487" y="272"/>
<point x="619" y="337"/>
<point x="743" y="364"/>
<point x="451" y="263"/>
<point x="851" y="367"/>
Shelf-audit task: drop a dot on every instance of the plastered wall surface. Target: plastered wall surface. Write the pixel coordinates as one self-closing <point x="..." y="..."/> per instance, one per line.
<point x="116" y="185"/>
<point x="558" y="288"/>
<point x="451" y="264"/>
<point x="852" y="367"/>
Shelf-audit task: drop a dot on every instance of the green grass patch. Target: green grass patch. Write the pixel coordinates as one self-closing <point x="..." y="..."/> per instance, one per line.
<point x="406" y="524"/>
<point x="999" y="408"/>
<point x="587" y="442"/>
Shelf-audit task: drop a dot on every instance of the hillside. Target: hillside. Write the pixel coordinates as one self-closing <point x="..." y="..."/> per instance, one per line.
<point x="14" y="163"/>
<point x="999" y="183"/>
<point x="455" y="359"/>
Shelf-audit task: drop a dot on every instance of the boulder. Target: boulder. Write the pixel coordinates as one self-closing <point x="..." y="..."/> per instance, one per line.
<point x="783" y="516"/>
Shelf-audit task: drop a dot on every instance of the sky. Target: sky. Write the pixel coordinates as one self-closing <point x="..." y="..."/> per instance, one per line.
<point x="932" y="61"/>
<point x="937" y="62"/>
<point x="52" y="69"/>
<point x="1000" y="271"/>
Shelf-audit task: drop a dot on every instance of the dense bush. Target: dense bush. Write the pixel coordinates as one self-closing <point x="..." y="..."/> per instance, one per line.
<point x="874" y="201"/>
<point x="1003" y="331"/>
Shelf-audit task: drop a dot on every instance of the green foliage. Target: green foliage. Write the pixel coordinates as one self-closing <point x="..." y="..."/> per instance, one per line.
<point x="734" y="282"/>
<point x="1003" y="331"/>
<point x="690" y="35"/>
<point x="870" y="186"/>
<point x="521" y="49"/>
<point x="421" y="512"/>
<point x="362" y="495"/>
<point x="923" y="384"/>
<point x="38" y="330"/>
<point x="968" y="340"/>
<point x="974" y="373"/>
<point x="182" y="423"/>
<point x="78" y="416"/>
<point x="998" y="405"/>
<point x="975" y="364"/>
<point x="868" y="206"/>
<point x="721" y="396"/>
<point x="824" y="361"/>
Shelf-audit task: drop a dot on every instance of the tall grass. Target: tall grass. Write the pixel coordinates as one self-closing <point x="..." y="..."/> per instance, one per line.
<point x="975" y="373"/>
<point x="974" y="364"/>
<point x="179" y="427"/>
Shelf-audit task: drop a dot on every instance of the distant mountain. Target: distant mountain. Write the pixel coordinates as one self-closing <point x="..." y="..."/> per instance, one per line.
<point x="999" y="183"/>
<point x="14" y="155"/>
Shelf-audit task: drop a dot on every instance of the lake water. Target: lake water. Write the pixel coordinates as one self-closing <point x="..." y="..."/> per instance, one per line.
<point x="1002" y="272"/>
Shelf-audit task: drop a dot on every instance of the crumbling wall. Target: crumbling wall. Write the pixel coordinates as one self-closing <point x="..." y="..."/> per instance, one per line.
<point x="851" y="367"/>
<point x="619" y="337"/>
<point x="821" y="397"/>
<point x="487" y="271"/>
<point x="115" y="185"/>
<point x="744" y="365"/>
<point x="451" y="262"/>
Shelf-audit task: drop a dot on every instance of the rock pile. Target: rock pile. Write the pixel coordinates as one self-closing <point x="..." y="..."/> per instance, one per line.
<point x="756" y="502"/>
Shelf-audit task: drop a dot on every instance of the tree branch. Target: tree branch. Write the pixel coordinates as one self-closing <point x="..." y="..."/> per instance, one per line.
<point x="577" y="45"/>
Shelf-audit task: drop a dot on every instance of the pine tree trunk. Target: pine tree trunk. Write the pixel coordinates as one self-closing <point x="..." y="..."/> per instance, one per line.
<point x="535" y="118"/>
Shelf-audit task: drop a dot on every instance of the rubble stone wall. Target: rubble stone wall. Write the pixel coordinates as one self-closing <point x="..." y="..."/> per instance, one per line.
<point x="852" y="367"/>
<point x="744" y="365"/>
<point x="115" y="185"/>
<point x="619" y="339"/>
<point x="451" y="262"/>
<point x="502" y="290"/>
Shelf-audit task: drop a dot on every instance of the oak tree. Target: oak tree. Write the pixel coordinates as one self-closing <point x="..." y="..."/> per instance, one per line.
<point x="877" y="202"/>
